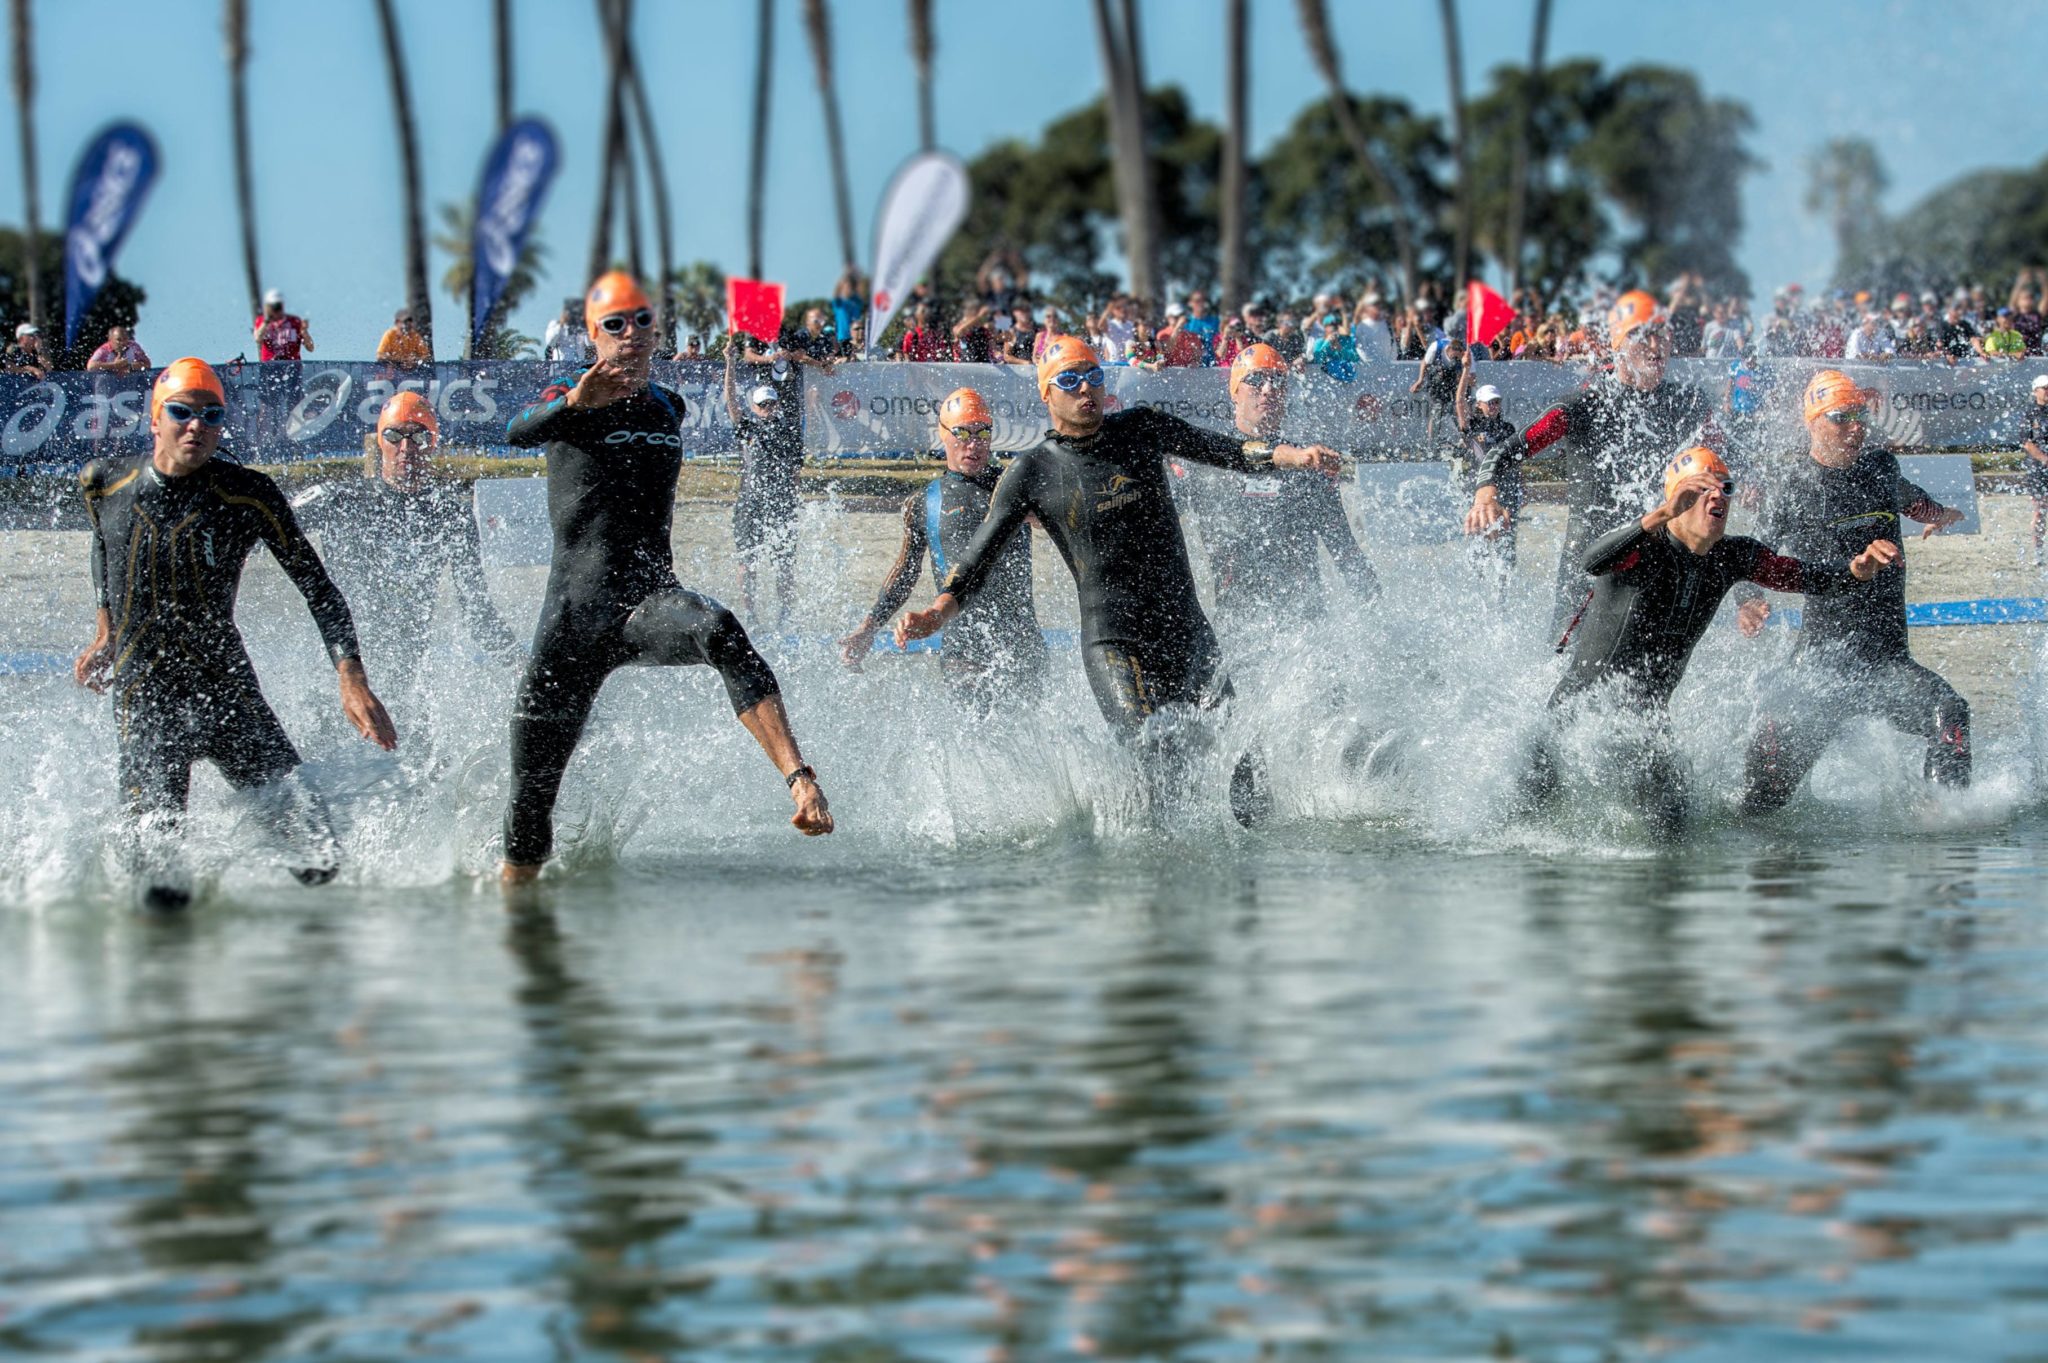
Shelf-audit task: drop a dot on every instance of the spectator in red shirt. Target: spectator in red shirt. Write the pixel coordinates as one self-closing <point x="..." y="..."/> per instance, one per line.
<point x="1179" y="347"/>
<point x="120" y="354"/>
<point x="280" y="335"/>
<point x="923" y="342"/>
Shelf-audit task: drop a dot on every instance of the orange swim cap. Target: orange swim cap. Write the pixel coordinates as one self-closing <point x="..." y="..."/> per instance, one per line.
<point x="1831" y="390"/>
<point x="1697" y="459"/>
<point x="408" y="408"/>
<point x="964" y="407"/>
<point x="613" y="292"/>
<point x="1064" y="352"/>
<point x="1632" y="310"/>
<point x="188" y="375"/>
<point x="1259" y="356"/>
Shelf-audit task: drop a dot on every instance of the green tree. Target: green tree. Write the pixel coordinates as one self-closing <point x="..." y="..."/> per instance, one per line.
<point x="1845" y="179"/>
<point x="698" y="289"/>
<point x="1983" y="227"/>
<point x="1563" y="225"/>
<point x="119" y="302"/>
<point x="457" y="233"/>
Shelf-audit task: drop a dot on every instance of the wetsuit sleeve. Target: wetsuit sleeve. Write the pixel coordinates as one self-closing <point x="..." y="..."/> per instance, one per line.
<point x="1178" y="439"/>
<point x="1916" y="502"/>
<point x="1768" y="568"/>
<point x="1619" y="550"/>
<point x="1007" y="508"/>
<point x="902" y="576"/>
<point x="280" y="530"/>
<point x="537" y="422"/>
<point x="472" y="588"/>
<point x="1326" y="519"/>
<point x="1545" y="431"/>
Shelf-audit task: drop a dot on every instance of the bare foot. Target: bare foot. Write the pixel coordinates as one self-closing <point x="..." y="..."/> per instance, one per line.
<point x="511" y="873"/>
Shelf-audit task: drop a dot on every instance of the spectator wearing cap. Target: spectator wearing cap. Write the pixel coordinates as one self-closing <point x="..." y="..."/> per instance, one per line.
<point x="1257" y="316"/>
<point x="2033" y="443"/>
<point x="769" y="430"/>
<point x="2002" y="341"/>
<point x="1115" y="329"/>
<point x="1436" y="378"/>
<point x="1203" y="324"/>
<point x="1957" y="339"/>
<point x="1334" y="352"/>
<point x="1233" y="340"/>
<point x="1180" y="348"/>
<point x="119" y="354"/>
<point x="1872" y="340"/>
<point x="2026" y="318"/>
<point x="565" y="342"/>
<point x="402" y="346"/>
<point x="1482" y="428"/>
<point x="1370" y="335"/>
<point x="281" y="338"/>
<point x="1719" y="340"/>
<point x="923" y="342"/>
<point x="1020" y="340"/>
<point x="25" y="356"/>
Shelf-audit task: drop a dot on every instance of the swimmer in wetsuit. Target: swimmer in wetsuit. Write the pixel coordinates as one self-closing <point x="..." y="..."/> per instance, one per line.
<point x="614" y="451"/>
<point x="1852" y="659"/>
<point x="1261" y="532"/>
<point x="993" y="654"/>
<point x="1657" y="583"/>
<point x="1098" y="485"/>
<point x="1614" y="436"/>
<point x="388" y="539"/>
<point x="170" y="535"/>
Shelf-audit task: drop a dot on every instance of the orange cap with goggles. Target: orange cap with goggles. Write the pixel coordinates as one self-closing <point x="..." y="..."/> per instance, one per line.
<point x="1254" y="357"/>
<point x="1696" y="459"/>
<point x="189" y="375"/>
<point x="614" y="292"/>
<point x="964" y="407"/>
<point x="1064" y="352"/>
<point x="1831" y="390"/>
<point x="408" y="408"/>
<point x="1633" y="310"/>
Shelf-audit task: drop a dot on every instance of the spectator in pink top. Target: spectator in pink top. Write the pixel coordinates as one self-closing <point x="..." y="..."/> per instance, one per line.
<point x="280" y="335"/>
<point x="120" y="355"/>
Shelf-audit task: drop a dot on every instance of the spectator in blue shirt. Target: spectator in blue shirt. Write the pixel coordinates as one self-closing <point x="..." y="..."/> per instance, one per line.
<point x="849" y="302"/>
<point x="1336" y="352"/>
<point x="1203" y="323"/>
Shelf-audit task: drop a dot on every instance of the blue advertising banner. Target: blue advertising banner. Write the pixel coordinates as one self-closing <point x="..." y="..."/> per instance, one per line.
<point x="107" y="190"/>
<point x="508" y="200"/>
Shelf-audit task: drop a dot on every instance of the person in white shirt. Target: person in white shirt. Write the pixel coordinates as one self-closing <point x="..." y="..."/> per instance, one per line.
<point x="1872" y="340"/>
<point x="1369" y="331"/>
<point x="564" y="342"/>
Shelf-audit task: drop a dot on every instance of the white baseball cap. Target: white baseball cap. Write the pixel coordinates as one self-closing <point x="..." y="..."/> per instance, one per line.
<point x="27" y="329"/>
<point x="1175" y="310"/>
<point x="272" y="296"/>
<point x="2041" y="381"/>
<point x="763" y="394"/>
<point x="1486" y="392"/>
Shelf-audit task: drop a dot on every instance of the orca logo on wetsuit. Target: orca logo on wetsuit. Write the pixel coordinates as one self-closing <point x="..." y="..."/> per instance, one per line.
<point x="670" y="439"/>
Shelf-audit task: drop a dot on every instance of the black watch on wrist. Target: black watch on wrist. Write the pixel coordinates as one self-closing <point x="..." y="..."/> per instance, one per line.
<point x="803" y="773"/>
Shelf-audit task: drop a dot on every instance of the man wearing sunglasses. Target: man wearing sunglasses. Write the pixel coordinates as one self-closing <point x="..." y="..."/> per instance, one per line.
<point x="1262" y="532"/>
<point x="1098" y="484"/>
<point x="1852" y="659"/>
<point x="1658" y="581"/>
<point x="993" y="655"/>
<point x="769" y="429"/>
<point x="614" y="449"/>
<point x="170" y="534"/>
<point x="1614" y="436"/>
<point x="390" y="537"/>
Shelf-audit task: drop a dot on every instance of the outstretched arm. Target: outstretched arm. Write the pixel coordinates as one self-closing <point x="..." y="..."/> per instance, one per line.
<point x="1008" y="507"/>
<point x="896" y="587"/>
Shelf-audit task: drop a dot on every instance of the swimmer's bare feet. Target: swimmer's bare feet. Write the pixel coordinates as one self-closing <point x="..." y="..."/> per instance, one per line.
<point x="512" y="873"/>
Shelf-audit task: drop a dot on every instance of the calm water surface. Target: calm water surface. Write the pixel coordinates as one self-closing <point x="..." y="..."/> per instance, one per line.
<point x="1321" y="1095"/>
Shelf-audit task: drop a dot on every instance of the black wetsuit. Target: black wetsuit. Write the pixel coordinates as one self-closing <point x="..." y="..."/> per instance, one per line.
<point x="1105" y="502"/>
<point x="771" y="467"/>
<point x="2033" y="425"/>
<point x="388" y="548"/>
<point x="1651" y="602"/>
<point x="992" y="652"/>
<point x="1852" y="659"/>
<point x="1261" y="533"/>
<point x="1483" y="436"/>
<point x="1615" y="441"/>
<point x="167" y="558"/>
<point x="612" y="597"/>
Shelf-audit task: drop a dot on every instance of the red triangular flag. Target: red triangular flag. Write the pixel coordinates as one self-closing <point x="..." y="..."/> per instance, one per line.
<point x="755" y="307"/>
<point x="1487" y="314"/>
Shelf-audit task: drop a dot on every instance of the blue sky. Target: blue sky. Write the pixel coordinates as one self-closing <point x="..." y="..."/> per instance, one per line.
<point x="1925" y="79"/>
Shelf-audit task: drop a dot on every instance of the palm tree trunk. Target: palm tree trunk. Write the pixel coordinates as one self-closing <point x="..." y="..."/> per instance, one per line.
<point x="25" y="111"/>
<point x="921" y="58"/>
<point x="236" y="20"/>
<point x="818" y="28"/>
<point x="501" y="32"/>
<point x="1315" y="27"/>
<point x="615" y="148"/>
<point x="628" y="180"/>
<point x="757" y="166"/>
<point x="1117" y="36"/>
<point x="1454" y="71"/>
<point x="417" y="299"/>
<point x="657" y="178"/>
<point x="1518" y="188"/>
<point x="1236" y="60"/>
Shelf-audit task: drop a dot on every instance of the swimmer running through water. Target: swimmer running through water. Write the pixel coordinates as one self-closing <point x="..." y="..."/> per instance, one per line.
<point x="614" y="451"/>
<point x="1097" y="482"/>
<point x="993" y="654"/>
<point x="1657" y="584"/>
<point x="170" y="534"/>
